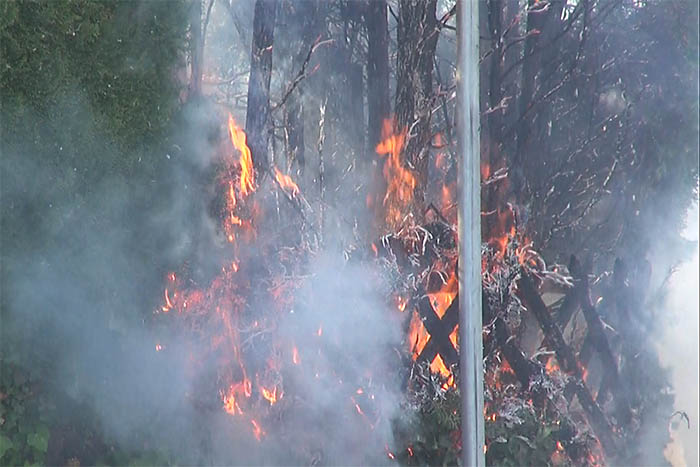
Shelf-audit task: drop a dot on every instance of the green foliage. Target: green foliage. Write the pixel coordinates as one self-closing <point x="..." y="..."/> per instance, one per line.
<point x="121" y="57"/>
<point x="529" y="442"/>
<point x="89" y="94"/>
<point x="24" y="433"/>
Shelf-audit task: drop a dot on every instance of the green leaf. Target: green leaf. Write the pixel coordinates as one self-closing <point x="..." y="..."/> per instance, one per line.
<point x="39" y="440"/>
<point x="5" y="445"/>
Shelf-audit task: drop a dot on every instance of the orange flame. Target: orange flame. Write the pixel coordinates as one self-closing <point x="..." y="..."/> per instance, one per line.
<point x="257" y="430"/>
<point x="442" y="299"/>
<point x="454" y="338"/>
<point x="168" y="304"/>
<point x="271" y="396"/>
<point x="238" y="138"/>
<point x="286" y="183"/>
<point x="400" y="181"/>
<point x="418" y="336"/>
<point x="401" y="303"/>
<point x="230" y="404"/>
<point x="438" y="366"/>
<point x="551" y="366"/>
<point x="295" y="356"/>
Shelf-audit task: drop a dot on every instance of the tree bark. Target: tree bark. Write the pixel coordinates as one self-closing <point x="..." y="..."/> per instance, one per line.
<point x="378" y="103"/>
<point x="542" y="20"/>
<point x="304" y="16"/>
<point x="417" y="36"/>
<point x="258" y="111"/>
<point x="196" y="49"/>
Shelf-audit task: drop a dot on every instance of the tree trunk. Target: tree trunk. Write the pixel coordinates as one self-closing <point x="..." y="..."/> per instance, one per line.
<point x="305" y="19"/>
<point x="493" y="135"/>
<point x="378" y="104"/>
<point x="541" y="20"/>
<point x="258" y="111"/>
<point x="196" y="49"/>
<point x="417" y="36"/>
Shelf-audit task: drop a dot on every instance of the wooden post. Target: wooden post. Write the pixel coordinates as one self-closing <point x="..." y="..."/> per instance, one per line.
<point x="470" y="327"/>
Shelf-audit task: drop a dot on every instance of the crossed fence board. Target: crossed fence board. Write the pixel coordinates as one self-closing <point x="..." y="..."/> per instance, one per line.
<point x="577" y="298"/>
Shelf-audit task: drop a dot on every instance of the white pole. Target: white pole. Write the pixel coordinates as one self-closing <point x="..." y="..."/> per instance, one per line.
<point x="471" y="353"/>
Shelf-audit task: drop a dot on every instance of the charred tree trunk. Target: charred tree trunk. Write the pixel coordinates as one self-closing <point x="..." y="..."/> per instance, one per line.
<point x="378" y="104"/>
<point x="494" y="119"/>
<point x="305" y="18"/>
<point x="258" y="111"/>
<point x="378" y="100"/>
<point x="417" y="37"/>
<point x="536" y="15"/>
<point x="196" y="49"/>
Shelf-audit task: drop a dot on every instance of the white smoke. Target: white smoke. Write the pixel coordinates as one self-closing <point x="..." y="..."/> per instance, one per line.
<point x="678" y="349"/>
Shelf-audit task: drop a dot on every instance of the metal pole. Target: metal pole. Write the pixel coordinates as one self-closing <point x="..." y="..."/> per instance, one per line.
<point x="470" y="357"/>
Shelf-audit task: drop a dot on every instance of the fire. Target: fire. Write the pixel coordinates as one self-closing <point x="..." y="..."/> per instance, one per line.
<point x="230" y="404"/>
<point x="295" y="356"/>
<point x="257" y="430"/>
<point x="168" y="304"/>
<point x="238" y="138"/>
<point x="418" y="336"/>
<point x="401" y="182"/>
<point x="286" y="183"/>
<point x="442" y="299"/>
<point x="271" y="395"/>
<point x="159" y="347"/>
<point x="401" y="303"/>
<point x="389" y="454"/>
<point x="438" y="366"/>
<point x="551" y="366"/>
<point x="454" y="337"/>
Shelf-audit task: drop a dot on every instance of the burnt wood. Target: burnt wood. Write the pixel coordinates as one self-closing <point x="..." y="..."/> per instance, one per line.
<point x="567" y="360"/>
<point x="439" y="330"/>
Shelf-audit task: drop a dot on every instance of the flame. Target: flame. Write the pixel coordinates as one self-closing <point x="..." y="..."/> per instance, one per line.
<point x="159" y="347"/>
<point x="295" y="356"/>
<point x="418" y="336"/>
<point x="271" y="395"/>
<point x="257" y="430"/>
<point x="389" y="454"/>
<point x="438" y="366"/>
<point x="442" y="299"/>
<point x="286" y="183"/>
<point x="401" y="182"/>
<point x="357" y="406"/>
<point x="551" y="366"/>
<point x="401" y="303"/>
<point x="168" y="304"/>
<point x="238" y="138"/>
<point x="230" y="404"/>
<point x="454" y="337"/>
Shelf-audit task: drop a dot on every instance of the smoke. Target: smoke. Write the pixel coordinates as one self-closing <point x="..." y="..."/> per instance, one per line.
<point x="678" y="349"/>
<point x="78" y="297"/>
